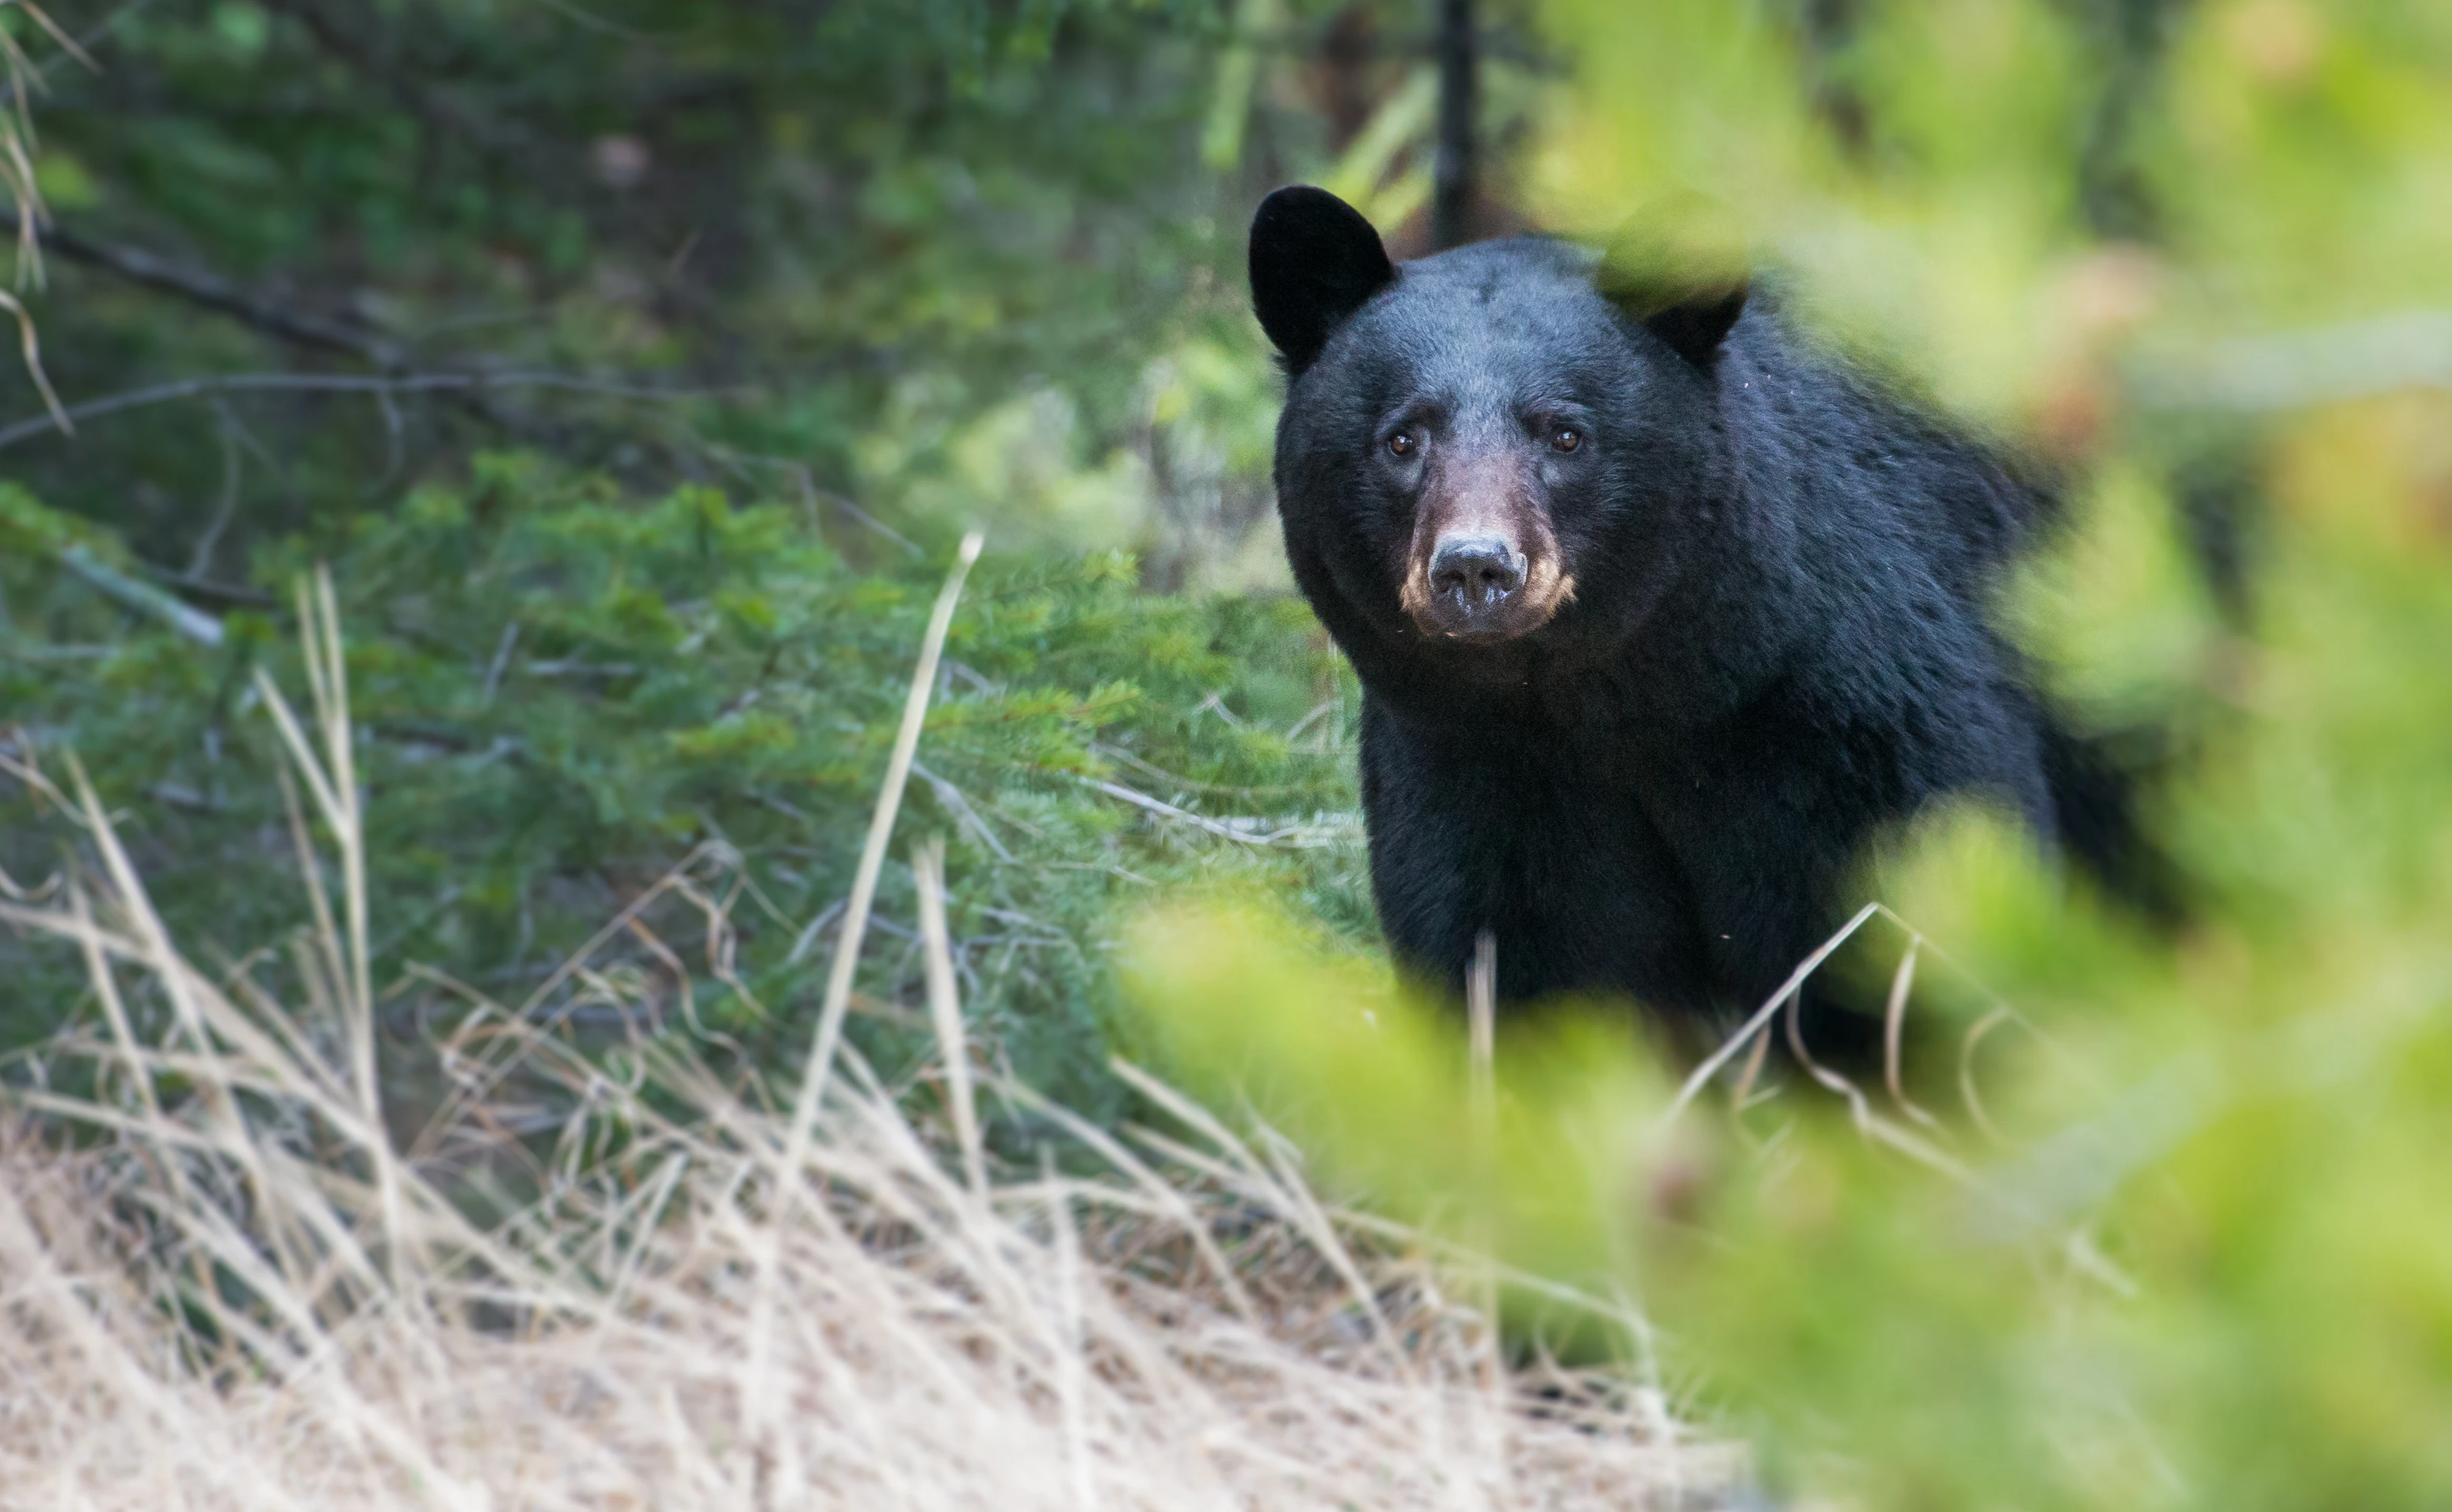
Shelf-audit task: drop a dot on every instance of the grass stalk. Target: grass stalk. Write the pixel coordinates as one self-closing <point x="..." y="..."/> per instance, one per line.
<point x="945" y="1011"/>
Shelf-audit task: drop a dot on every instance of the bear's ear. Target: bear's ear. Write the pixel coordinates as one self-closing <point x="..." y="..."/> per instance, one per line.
<point x="1314" y="261"/>
<point x="1696" y="325"/>
<point x="1680" y="270"/>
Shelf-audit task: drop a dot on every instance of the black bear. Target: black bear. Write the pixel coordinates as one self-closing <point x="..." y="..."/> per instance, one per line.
<point x="1659" y="611"/>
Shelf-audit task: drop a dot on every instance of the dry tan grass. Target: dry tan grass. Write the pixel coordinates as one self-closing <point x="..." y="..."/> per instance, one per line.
<point x="223" y="1284"/>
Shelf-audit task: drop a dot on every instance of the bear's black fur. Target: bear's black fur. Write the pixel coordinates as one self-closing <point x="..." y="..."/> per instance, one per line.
<point x="1659" y="611"/>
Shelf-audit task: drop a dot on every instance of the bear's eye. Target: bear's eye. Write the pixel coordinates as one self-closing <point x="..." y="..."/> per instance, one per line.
<point x="1565" y="438"/>
<point x="1402" y="443"/>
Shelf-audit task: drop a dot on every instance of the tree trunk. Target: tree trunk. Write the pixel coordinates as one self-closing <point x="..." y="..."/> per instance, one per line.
<point x="1452" y="197"/>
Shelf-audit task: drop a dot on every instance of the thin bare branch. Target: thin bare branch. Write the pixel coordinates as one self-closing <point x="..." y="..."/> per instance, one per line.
<point x="211" y="292"/>
<point x="353" y="383"/>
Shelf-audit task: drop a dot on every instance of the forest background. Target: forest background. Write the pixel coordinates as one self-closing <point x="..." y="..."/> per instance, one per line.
<point x="636" y="373"/>
<point x="635" y="368"/>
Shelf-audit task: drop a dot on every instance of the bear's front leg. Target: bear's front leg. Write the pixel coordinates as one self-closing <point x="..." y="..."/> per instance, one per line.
<point x="1505" y="826"/>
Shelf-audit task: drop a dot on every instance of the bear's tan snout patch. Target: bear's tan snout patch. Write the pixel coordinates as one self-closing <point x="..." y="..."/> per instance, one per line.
<point x="1484" y="564"/>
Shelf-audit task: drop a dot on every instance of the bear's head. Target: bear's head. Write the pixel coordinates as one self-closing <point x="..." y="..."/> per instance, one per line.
<point x="1497" y="448"/>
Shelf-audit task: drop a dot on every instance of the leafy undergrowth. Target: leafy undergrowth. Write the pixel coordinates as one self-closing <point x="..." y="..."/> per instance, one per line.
<point x="561" y="691"/>
<point x="619" y="1277"/>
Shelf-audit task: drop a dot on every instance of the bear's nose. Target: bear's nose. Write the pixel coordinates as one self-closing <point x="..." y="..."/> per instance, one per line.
<point x="1478" y="569"/>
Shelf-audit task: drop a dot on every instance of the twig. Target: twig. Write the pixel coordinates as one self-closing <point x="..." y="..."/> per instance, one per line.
<point x="494" y="668"/>
<point x="803" y="942"/>
<point x="1200" y="821"/>
<point x="202" y="288"/>
<point x="951" y="796"/>
<point x="1216" y="703"/>
<point x="1148" y="768"/>
<point x="1325" y="706"/>
<point x="811" y="494"/>
<point x="143" y="597"/>
<point x="203" y="587"/>
<point x="207" y="290"/>
<point x="30" y="345"/>
<point x="347" y="383"/>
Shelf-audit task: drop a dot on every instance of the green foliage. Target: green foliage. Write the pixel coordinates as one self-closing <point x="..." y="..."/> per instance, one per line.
<point x="963" y="263"/>
<point x="2180" y="1243"/>
<point x="632" y="364"/>
<point x="1252" y="1005"/>
<point x="560" y="692"/>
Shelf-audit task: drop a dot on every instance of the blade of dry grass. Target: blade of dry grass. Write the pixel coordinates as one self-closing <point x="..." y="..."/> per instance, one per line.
<point x="945" y="1011"/>
<point x="880" y="830"/>
<point x="1753" y="1031"/>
